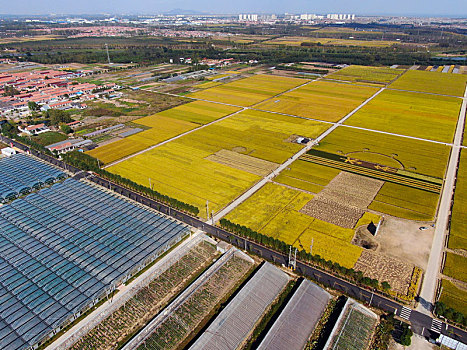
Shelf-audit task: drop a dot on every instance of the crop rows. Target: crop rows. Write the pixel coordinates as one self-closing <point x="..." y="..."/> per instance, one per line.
<point x="147" y="302"/>
<point x="243" y="162"/>
<point x="188" y="316"/>
<point x="356" y="331"/>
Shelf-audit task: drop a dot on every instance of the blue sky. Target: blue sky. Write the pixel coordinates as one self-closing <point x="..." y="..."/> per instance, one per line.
<point x="385" y="7"/>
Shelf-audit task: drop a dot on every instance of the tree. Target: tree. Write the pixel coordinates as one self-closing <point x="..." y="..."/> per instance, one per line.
<point x="66" y="128"/>
<point x="33" y="106"/>
<point x="386" y="286"/>
<point x="10" y="91"/>
<point x="406" y="337"/>
<point x="58" y="116"/>
<point x="440" y="308"/>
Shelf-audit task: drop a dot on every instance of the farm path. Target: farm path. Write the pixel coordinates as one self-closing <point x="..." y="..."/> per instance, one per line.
<point x="125" y="293"/>
<point x="231" y="206"/>
<point x="430" y="282"/>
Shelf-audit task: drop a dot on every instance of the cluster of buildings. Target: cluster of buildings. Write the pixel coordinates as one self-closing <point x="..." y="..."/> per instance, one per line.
<point x="46" y="89"/>
<point x="340" y="16"/>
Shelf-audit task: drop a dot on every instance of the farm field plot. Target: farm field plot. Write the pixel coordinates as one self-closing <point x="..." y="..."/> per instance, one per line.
<point x="297" y="41"/>
<point x="180" y="168"/>
<point x="454" y="296"/>
<point x="172" y="332"/>
<point x="355" y="329"/>
<point x="364" y="74"/>
<point x="162" y="126"/>
<point x="307" y="176"/>
<point x="411" y="114"/>
<point x="243" y="162"/>
<point x="458" y="231"/>
<point x="405" y="202"/>
<point x="455" y="266"/>
<point x="275" y="211"/>
<point x="421" y="157"/>
<point x="147" y="302"/>
<point x="248" y="91"/>
<point x="323" y="100"/>
<point x="433" y="82"/>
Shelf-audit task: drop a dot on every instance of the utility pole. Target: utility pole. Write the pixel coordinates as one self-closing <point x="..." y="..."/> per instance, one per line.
<point x="150" y="186"/>
<point x="212" y="217"/>
<point x="207" y="209"/>
<point x="311" y="246"/>
<point x="107" y="49"/>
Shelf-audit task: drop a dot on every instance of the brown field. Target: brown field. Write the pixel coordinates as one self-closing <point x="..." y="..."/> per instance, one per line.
<point x="384" y="268"/>
<point x="243" y="162"/>
<point x="333" y="212"/>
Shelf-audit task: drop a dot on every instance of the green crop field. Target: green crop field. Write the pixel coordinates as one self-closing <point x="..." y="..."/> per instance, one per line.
<point x="323" y="100"/>
<point x="434" y="82"/>
<point x="180" y="168"/>
<point x="274" y="211"/>
<point x="405" y="202"/>
<point x="418" y="156"/>
<point x="363" y="74"/>
<point x="454" y="297"/>
<point x="409" y="113"/>
<point x="307" y="176"/>
<point x="455" y="266"/>
<point x="248" y="91"/>
<point x="458" y="231"/>
<point x="162" y="126"/>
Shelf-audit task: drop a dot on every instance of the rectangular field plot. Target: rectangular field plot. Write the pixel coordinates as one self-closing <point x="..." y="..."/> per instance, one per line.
<point x="162" y="126"/>
<point x="405" y="202"/>
<point x="244" y="162"/>
<point x="458" y="231"/>
<point x="363" y="74"/>
<point x="413" y="155"/>
<point x="433" y="82"/>
<point x="307" y="176"/>
<point x="454" y="297"/>
<point x="183" y="170"/>
<point x="275" y="211"/>
<point x="455" y="266"/>
<point x="297" y="41"/>
<point x="323" y="100"/>
<point x="248" y="91"/>
<point x="63" y="248"/>
<point x="410" y="113"/>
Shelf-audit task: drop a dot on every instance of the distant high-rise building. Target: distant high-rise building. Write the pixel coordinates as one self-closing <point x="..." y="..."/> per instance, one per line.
<point x="248" y="17"/>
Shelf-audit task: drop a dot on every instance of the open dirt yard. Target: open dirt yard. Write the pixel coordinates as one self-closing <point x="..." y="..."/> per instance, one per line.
<point x="418" y="343"/>
<point x="402" y="239"/>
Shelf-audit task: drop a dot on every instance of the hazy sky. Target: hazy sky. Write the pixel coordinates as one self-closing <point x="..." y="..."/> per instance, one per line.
<point x="398" y="7"/>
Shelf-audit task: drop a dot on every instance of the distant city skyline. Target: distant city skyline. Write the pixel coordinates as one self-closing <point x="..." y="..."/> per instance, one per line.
<point x="449" y="8"/>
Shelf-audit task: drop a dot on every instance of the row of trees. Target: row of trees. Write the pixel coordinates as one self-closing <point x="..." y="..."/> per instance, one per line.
<point x="315" y="259"/>
<point x="88" y="163"/>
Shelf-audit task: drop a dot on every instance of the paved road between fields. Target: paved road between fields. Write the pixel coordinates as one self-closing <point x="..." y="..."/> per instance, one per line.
<point x="430" y="281"/>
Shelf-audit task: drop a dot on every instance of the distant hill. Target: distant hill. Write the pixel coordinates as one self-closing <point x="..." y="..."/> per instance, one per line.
<point x="184" y="12"/>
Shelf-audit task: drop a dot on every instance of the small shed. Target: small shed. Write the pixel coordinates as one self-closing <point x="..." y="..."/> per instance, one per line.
<point x="8" y="151"/>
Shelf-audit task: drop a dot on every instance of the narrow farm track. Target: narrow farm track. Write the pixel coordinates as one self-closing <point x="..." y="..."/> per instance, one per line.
<point x="286" y="164"/>
<point x="430" y="282"/>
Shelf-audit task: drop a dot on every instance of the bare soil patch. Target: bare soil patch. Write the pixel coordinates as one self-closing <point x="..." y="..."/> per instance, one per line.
<point x="243" y="162"/>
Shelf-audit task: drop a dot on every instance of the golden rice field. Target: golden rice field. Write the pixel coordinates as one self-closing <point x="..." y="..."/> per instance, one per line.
<point x="405" y="202"/>
<point x="434" y="82"/>
<point x="248" y="91"/>
<point x="454" y="296"/>
<point x="307" y="176"/>
<point x="417" y="156"/>
<point x="274" y="211"/>
<point x="458" y="231"/>
<point x="162" y="126"/>
<point x="455" y="266"/>
<point x="323" y="100"/>
<point x="180" y="168"/>
<point x="298" y="40"/>
<point x="364" y="74"/>
<point x="409" y="113"/>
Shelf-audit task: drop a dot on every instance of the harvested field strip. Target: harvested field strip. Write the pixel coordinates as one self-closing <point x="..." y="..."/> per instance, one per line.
<point x="243" y="162"/>
<point x="411" y="114"/>
<point x="455" y="266"/>
<point x="384" y="268"/>
<point x="399" y="211"/>
<point x="432" y="82"/>
<point x="415" y="155"/>
<point x="454" y="296"/>
<point x="395" y="178"/>
<point x="322" y="100"/>
<point x="148" y="301"/>
<point x="184" y="320"/>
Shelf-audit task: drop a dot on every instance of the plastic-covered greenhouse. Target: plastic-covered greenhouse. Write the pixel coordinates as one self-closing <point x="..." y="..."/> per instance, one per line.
<point x="63" y="248"/>
<point x="19" y="174"/>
